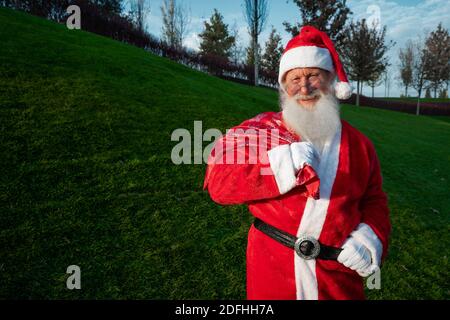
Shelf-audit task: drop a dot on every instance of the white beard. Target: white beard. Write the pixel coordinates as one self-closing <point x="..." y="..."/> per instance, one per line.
<point x="318" y="125"/>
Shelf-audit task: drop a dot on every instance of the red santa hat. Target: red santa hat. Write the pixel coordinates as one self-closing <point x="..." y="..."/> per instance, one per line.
<point x="314" y="49"/>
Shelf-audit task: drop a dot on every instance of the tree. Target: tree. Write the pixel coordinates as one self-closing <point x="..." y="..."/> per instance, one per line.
<point x="437" y="66"/>
<point x="139" y="10"/>
<point x="250" y="56"/>
<point x="387" y="83"/>
<point x="327" y="16"/>
<point x="183" y="20"/>
<point x="419" y="81"/>
<point x="110" y="6"/>
<point x="215" y="38"/>
<point x="175" y="23"/>
<point x="375" y="80"/>
<point x="427" y="93"/>
<point x="256" y="16"/>
<point x="273" y="50"/>
<point x="169" y="28"/>
<point x="364" y="53"/>
<point x="236" y="51"/>
<point x="406" y="56"/>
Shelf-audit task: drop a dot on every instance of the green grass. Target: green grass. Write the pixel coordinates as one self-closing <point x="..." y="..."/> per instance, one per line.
<point x="86" y="176"/>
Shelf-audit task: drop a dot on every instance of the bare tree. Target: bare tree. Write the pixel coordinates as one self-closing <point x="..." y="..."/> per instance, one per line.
<point x="406" y="56"/>
<point x="256" y="15"/>
<point x="139" y="10"/>
<point x="237" y="50"/>
<point x="387" y="83"/>
<point x="169" y="28"/>
<point x="176" y="19"/>
<point x="182" y="21"/>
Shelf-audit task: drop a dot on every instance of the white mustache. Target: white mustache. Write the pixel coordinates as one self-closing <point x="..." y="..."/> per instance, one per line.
<point x="312" y="95"/>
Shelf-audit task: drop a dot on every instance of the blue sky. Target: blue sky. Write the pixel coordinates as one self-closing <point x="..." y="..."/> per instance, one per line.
<point x="405" y="19"/>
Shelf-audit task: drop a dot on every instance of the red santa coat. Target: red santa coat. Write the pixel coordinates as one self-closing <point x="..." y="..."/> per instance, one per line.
<point x="351" y="195"/>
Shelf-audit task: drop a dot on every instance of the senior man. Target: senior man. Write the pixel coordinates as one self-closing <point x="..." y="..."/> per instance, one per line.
<point x="321" y="216"/>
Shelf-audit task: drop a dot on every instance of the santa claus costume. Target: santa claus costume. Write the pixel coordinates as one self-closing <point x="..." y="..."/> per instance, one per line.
<point x="340" y="199"/>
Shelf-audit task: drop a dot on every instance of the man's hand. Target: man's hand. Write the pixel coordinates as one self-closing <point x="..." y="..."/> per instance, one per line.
<point x="304" y="153"/>
<point x="356" y="257"/>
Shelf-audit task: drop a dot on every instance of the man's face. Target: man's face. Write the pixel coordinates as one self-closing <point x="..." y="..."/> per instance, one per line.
<point x="306" y="84"/>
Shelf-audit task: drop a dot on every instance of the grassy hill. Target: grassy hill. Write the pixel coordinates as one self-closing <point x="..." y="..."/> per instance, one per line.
<point x="86" y="177"/>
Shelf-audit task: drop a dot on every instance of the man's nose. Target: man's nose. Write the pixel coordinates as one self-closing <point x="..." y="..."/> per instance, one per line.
<point x="304" y="89"/>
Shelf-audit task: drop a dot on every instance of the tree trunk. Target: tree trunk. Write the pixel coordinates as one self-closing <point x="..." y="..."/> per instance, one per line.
<point x="373" y="91"/>
<point x="256" y="61"/>
<point x="361" y="87"/>
<point x="357" y="93"/>
<point x="255" y="42"/>
<point x="418" y="103"/>
<point x="406" y="91"/>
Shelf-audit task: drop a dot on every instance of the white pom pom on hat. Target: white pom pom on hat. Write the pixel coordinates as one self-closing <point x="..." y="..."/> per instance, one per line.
<point x="343" y="90"/>
<point x="312" y="48"/>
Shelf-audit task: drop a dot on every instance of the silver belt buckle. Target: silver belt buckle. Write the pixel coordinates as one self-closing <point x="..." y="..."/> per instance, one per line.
<point x="307" y="247"/>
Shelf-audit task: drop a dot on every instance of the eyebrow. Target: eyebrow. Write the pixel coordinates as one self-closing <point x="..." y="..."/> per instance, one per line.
<point x="310" y="73"/>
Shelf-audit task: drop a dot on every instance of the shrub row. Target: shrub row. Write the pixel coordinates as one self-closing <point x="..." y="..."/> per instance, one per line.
<point x="426" y="108"/>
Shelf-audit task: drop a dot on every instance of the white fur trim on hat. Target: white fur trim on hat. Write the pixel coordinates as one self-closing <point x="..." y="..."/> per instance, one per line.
<point x="305" y="57"/>
<point x="343" y="90"/>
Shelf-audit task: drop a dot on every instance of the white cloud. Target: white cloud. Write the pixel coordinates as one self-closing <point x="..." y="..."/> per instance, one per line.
<point x="192" y="41"/>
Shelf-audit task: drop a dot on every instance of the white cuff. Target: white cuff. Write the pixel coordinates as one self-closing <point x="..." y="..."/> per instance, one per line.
<point x="369" y="239"/>
<point x="282" y="167"/>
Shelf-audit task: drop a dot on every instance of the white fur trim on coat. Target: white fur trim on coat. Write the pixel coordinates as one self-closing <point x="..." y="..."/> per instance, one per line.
<point x="313" y="219"/>
<point x="280" y="159"/>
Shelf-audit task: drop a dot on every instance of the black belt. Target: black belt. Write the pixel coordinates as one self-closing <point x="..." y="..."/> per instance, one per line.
<point x="306" y="247"/>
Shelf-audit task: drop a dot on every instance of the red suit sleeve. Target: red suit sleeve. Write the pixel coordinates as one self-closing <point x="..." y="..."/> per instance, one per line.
<point x="240" y="170"/>
<point x="374" y="207"/>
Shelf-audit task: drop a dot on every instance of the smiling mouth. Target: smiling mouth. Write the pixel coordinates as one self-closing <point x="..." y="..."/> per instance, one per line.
<point x="308" y="99"/>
